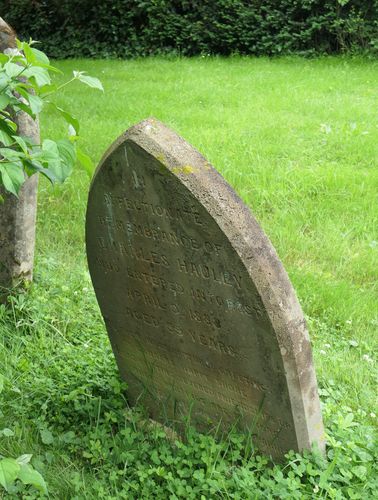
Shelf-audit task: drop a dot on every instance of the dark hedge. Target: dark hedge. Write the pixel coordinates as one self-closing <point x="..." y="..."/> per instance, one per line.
<point x="129" y="28"/>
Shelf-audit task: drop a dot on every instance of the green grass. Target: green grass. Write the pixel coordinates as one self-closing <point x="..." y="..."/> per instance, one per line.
<point x="298" y="140"/>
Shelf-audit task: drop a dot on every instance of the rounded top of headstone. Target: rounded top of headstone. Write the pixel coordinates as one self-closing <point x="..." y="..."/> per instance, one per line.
<point x="224" y="205"/>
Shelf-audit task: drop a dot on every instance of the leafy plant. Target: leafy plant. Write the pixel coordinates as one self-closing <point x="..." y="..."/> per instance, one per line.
<point x="120" y="28"/>
<point x="18" y="469"/>
<point x="25" y="86"/>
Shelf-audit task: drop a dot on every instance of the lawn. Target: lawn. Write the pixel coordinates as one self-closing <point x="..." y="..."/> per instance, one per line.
<point x="298" y="141"/>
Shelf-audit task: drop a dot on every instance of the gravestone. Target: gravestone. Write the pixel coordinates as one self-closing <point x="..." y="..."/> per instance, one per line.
<point x="17" y="215"/>
<point x="201" y="315"/>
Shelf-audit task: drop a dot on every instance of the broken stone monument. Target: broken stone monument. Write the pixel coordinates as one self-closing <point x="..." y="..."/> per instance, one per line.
<point x="203" y="320"/>
<point x="17" y="215"/>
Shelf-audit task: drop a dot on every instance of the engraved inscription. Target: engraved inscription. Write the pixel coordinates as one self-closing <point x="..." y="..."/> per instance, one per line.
<point x="182" y="214"/>
<point x="155" y="281"/>
<point x="137" y="253"/>
<point x="159" y="360"/>
<point x="176" y="238"/>
<point x="143" y="317"/>
<point x="202" y="271"/>
<point x="232" y="395"/>
<point x="229" y="304"/>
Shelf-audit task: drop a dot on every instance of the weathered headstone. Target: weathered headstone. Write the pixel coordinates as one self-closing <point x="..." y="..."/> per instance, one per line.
<point x="202" y="318"/>
<point x="17" y="215"/>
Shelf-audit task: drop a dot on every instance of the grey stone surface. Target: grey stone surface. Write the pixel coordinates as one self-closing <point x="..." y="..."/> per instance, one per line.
<point x="18" y="216"/>
<point x="200" y="312"/>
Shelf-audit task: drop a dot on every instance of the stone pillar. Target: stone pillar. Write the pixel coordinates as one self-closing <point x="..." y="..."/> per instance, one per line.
<point x="17" y="215"/>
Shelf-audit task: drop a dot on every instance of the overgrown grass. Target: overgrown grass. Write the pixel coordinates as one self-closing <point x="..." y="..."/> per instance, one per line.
<point x="298" y="140"/>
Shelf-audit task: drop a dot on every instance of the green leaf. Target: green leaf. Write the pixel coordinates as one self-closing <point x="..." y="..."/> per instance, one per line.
<point x="46" y="437"/>
<point x="28" y="475"/>
<point x="23" y="85"/>
<point x="24" y="107"/>
<point x="20" y="141"/>
<point x="31" y="167"/>
<point x="12" y="176"/>
<point x="70" y="119"/>
<point x="49" y="174"/>
<point x="13" y="70"/>
<point x="4" y="101"/>
<point x="11" y="154"/>
<point x="7" y="432"/>
<point x="325" y="475"/>
<point x="5" y="139"/>
<point x="51" y="147"/>
<point x="348" y="421"/>
<point x="29" y="141"/>
<point x="9" y="469"/>
<point x="8" y="126"/>
<point x="85" y="162"/>
<point x="41" y="75"/>
<point x="5" y="81"/>
<point x="360" y="471"/>
<point x="88" y="80"/>
<point x="55" y="164"/>
<point x="1" y="383"/>
<point x="24" y="459"/>
<point x="28" y="51"/>
<point x="36" y="103"/>
<point x="49" y="152"/>
<point x="67" y="437"/>
<point x="40" y="56"/>
<point x="67" y="153"/>
<point x="47" y="89"/>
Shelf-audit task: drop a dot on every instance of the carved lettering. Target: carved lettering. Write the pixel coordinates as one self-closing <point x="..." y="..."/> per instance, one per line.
<point x="137" y="253"/>
<point x="146" y="299"/>
<point x="146" y="208"/>
<point x="155" y="281"/>
<point x="108" y="265"/>
<point x="204" y="317"/>
<point x="203" y="271"/>
<point x="142" y="317"/>
<point x="229" y="305"/>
